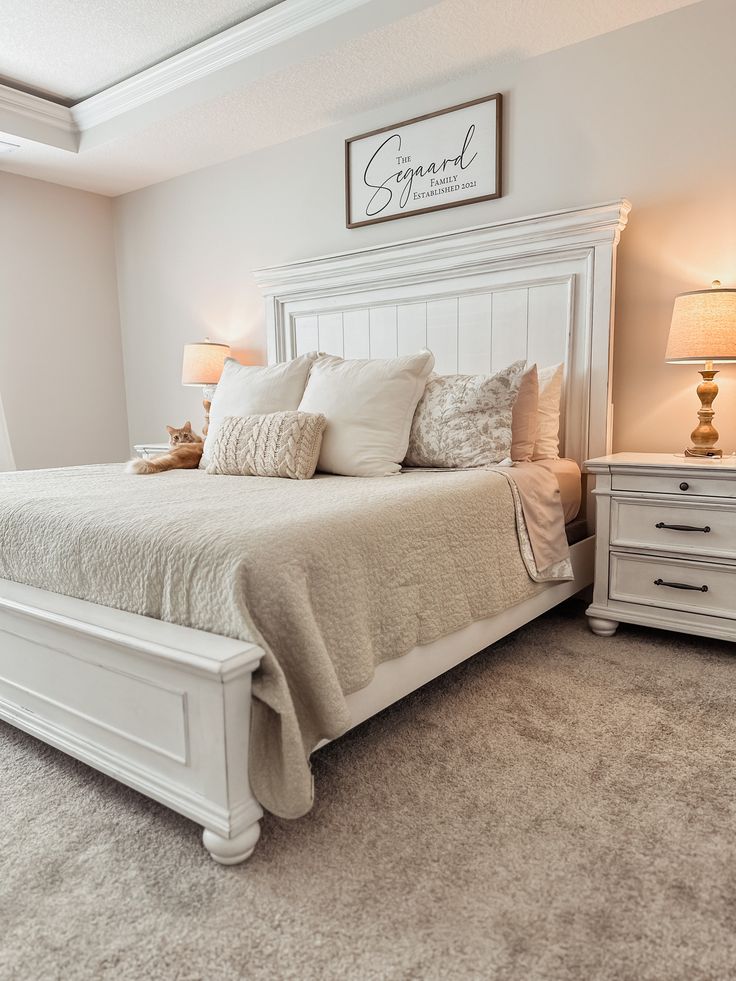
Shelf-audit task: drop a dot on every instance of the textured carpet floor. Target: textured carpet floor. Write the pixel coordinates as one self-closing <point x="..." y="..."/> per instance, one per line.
<point x="562" y="807"/>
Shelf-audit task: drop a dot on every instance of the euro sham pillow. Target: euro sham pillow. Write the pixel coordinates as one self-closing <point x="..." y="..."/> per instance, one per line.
<point x="547" y="443"/>
<point x="245" y="390"/>
<point x="524" y="423"/>
<point x="369" y="406"/>
<point x="464" y="420"/>
<point x="278" y="444"/>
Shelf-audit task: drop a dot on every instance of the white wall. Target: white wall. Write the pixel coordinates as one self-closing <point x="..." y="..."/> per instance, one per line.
<point x="61" y="374"/>
<point x="646" y="113"/>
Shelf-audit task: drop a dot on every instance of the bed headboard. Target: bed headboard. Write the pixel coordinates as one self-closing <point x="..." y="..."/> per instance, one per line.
<point x="539" y="288"/>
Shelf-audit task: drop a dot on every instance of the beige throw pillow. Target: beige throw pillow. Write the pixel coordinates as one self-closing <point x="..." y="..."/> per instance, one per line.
<point x="547" y="444"/>
<point x="280" y="444"/>
<point x="464" y="420"/>
<point x="524" y="417"/>
<point x="369" y="406"/>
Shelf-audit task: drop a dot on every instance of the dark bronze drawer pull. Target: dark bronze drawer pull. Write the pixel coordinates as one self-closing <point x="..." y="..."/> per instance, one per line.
<point x="661" y="524"/>
<point x="684" y="485"/>
<point x="680" y="585"/>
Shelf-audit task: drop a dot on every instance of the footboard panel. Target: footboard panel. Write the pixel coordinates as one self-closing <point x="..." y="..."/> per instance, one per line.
<point x="162" y="708"/>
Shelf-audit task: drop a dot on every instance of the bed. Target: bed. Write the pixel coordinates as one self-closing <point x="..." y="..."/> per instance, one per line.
<point x="169" y="709"/>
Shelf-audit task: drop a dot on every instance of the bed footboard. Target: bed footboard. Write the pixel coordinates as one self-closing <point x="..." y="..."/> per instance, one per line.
<point x="162" y="708"/>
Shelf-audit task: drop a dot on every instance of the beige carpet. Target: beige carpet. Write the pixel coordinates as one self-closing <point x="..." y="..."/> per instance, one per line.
<point x="563" y="807"/>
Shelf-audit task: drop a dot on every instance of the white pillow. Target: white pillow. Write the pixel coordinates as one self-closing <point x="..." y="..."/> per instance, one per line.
<point x="369" y="406"/>
<point x="547" y="444"/>
<point x="249" y="390"/>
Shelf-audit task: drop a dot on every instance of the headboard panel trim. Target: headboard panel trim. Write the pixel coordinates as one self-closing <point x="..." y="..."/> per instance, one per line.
<point x="562" y="262"/>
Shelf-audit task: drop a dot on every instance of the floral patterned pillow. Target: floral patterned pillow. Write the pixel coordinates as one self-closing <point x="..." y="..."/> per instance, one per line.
<point x="464" y="420"/>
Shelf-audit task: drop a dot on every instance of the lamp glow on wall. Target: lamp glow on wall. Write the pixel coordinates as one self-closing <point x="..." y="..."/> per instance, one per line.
<point x="704" y="330"/>
<point x="202" y="365"/>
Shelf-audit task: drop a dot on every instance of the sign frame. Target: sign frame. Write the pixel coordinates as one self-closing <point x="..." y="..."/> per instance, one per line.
<point x="424" y="168"/>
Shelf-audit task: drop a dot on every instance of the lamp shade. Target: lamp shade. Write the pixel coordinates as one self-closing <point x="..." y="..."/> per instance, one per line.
<point x="203" y="363"/>
<point x="703" y="327"/>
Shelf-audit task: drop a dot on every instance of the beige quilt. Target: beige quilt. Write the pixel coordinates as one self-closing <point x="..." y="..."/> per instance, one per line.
<point x="330" y="576"/>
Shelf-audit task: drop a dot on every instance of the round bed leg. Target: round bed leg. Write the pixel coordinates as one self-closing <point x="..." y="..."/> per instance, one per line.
<point x="231" y="851"/>
<point x="603" y="627"/>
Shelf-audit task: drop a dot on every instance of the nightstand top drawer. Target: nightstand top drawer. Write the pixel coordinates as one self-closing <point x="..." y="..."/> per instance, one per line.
<point x="680" y="483"/>
<point x="723" y="466"/>
<point x="683" y="528"/>
<point x="674" y="584"/>
<point x="667" y="473"/>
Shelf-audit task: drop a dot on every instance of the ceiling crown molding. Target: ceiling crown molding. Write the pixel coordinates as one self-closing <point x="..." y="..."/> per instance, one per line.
<point x="39" y="119"/>
<point x="265" y="30"/>
<point x="43" y="121"/>
<point x="33" y="106"/>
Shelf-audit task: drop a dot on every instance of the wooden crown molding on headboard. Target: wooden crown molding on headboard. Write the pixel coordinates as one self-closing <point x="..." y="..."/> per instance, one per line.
<point x="468" y="248"/>
<point x="573" y="249"/>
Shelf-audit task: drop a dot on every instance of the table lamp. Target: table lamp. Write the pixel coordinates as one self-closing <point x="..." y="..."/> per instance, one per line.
<point x="202" y="365"/>
<point x="704" y="330"/>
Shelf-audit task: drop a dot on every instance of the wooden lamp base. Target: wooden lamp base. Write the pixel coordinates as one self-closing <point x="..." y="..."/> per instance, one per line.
<point x="705" y="435"/>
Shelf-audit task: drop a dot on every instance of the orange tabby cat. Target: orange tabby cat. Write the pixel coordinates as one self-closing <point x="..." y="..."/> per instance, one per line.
<point x="185" y="453"/>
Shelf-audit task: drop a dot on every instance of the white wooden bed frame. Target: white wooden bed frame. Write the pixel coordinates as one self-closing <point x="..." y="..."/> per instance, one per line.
<point x="166" y="709"/>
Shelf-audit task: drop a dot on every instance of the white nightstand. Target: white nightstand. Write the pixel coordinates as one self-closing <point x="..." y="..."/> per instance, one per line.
<point x="665" y="544"/>
<point x="146" y="450"/>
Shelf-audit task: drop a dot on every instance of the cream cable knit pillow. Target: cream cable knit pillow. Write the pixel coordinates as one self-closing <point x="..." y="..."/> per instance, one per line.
<point x="280" y="444"/>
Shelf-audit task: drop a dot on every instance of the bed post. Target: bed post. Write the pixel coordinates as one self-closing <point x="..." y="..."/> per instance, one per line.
<point x="241" y="812"/>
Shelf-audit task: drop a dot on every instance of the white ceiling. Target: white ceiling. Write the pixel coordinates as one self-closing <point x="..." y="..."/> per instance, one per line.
<point x="306" y="90"/>
<point x="71" y="49"/>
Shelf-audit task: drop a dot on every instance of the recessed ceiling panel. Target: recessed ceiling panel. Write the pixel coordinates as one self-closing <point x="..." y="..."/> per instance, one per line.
<point x="70" y="49"/>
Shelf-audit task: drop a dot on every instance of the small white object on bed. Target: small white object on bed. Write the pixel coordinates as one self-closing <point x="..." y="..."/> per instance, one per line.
<point x="166" y="709"/>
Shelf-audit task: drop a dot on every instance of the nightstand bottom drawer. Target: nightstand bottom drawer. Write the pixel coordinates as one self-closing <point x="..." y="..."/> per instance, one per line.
<point x="673" y="584"/>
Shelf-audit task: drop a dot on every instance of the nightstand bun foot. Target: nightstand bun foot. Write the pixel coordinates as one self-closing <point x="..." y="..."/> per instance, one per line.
<point x="601" y="627"/>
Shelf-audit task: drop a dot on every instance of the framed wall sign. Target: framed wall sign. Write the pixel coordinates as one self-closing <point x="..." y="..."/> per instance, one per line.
<point x="441" y="160"/>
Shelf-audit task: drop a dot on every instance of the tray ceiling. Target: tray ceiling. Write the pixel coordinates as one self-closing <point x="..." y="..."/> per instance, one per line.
<point x="278" y="75"/>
